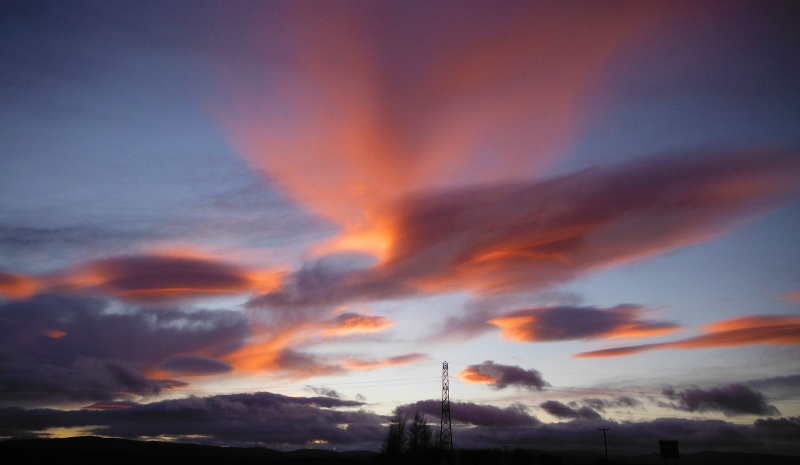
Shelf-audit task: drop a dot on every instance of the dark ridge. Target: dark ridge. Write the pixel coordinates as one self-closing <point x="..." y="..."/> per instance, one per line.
<point x="90" y="450"/>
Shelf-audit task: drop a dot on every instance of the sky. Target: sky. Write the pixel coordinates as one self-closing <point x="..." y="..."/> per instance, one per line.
<point x="270" y="223"/>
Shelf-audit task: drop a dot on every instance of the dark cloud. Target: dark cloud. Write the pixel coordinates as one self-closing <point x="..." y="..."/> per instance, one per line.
<point x="142" y="337"/>
<point x="194" y="365"/>
<point x="733" y="399"/>
<point x="85" y="379"/>
<point x="778" y="387"/>
<point x="476" y="414"/>
<point x="150" y="277"/>
<point x="569" y="323"/>
<point x="616" y="402"/>
<point x="329" y="281"/>
<point x="559" y="410"/>
<point x="474" y="318"/>
<point x="502" y="376"/>
<point x="326" y="392"/>
<point x="71" y="348"/>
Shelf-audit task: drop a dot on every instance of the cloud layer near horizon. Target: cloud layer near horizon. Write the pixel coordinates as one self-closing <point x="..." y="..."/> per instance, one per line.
<point x="282" y="422"/>
<point x="733" y="399"/>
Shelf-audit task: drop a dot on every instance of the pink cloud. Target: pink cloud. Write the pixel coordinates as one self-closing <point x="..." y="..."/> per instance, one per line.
<point x="748" y="330"/>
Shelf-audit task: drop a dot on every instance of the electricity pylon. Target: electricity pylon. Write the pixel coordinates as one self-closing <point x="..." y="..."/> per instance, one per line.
<point x="445" y="431"/>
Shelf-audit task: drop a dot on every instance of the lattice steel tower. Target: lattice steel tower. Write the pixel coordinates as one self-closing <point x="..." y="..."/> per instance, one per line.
<point x="445" y="432"/>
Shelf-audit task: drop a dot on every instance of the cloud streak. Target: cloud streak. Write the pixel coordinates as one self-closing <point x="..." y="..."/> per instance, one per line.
<point x="371" y="364"/>
<point x="747" y="330"/>
<point x="570" y="323"/>
<point x="147" y="278"/>
<point x="560" y="410"/>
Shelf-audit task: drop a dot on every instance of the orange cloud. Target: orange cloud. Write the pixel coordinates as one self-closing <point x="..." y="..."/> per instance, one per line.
<point x="792" y="297"/>
<point x="54" y="333"/>
<point x="759" y="329"/>
<point x="274" y="347"/>
<point x="263" y="352"/>
<point x="371" y="364"/>
<point x="18" y="286"/>
<point x="349" y="323"/>
<point x="476" y="377"/>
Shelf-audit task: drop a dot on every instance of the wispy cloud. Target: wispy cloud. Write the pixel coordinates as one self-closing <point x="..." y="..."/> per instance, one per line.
<point x="352" y="323"/>
<point x="561" y="410"/>
<point x="747" y="330"/>
<point x="792" y="297"/>
<point x="323" y="391"/>
<point x="371" y="364"/>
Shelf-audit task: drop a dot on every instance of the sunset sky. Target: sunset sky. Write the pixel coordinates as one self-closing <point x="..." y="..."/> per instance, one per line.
<point x="269" y="223"/>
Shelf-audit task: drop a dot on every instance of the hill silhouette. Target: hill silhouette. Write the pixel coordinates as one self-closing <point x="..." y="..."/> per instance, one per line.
<point x="89" y="450"/>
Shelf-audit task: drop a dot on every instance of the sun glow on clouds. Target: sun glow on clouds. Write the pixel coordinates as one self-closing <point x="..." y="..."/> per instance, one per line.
<point x="761" y="329"/>
<point x="275" y="349"/>
<point x="18" y="286"/>
<point x="350" y="129"/>
<point x="476" y="377"/>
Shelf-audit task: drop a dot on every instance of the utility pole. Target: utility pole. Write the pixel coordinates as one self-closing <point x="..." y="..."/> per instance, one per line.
<point x="445" y="431"/>
<point x="605" y="443"/>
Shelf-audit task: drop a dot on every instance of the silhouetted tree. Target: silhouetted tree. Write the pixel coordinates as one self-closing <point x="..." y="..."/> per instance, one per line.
<point x="420" y="436"/>
<point x="395" y="442"/>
